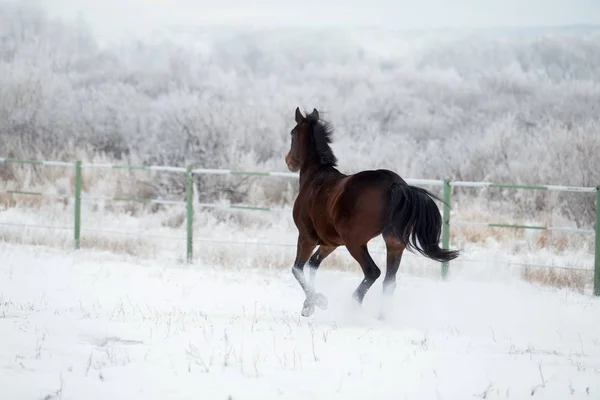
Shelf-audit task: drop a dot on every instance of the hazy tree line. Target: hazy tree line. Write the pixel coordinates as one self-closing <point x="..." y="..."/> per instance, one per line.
<point x="520" y="107"/>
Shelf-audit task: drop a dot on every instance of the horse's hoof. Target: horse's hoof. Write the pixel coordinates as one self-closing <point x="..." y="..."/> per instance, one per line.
<point x="308" y="309"/>
<point x="321" y="301"/>
<point x="357" y="300"/>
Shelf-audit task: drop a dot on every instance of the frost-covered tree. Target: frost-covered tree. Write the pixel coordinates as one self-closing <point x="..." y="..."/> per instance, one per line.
<point x="518" y="108"/>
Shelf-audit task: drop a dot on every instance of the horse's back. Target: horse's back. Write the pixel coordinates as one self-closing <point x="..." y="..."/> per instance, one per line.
<point x="346" y="207"/>
<point x="375" y="177"/>
<point x="362" y="205"/>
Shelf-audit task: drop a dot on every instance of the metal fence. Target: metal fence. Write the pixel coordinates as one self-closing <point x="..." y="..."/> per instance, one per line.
<point x="190" y="171"/>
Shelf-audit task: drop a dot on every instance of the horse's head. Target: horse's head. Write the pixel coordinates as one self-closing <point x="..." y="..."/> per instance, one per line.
<point x="301" y="139"/>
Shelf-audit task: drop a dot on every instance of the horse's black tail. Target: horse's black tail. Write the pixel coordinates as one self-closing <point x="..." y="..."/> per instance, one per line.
<point x="414" y="218"/>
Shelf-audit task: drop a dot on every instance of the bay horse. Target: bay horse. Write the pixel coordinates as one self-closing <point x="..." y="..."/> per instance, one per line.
<point x="333" y="209"/>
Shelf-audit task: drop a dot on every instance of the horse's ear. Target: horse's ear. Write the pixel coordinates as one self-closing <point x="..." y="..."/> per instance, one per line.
<point x="314" y="115"/>
<point x="299" y="117"/>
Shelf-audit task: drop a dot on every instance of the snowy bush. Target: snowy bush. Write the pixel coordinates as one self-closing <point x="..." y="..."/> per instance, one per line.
<point x="515" y="109"/>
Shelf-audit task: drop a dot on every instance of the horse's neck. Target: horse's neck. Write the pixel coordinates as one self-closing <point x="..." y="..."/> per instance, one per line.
<point x="318" y="174"/>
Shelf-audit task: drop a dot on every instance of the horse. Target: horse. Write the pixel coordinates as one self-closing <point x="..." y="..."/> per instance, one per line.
<point x="334" y="209"/>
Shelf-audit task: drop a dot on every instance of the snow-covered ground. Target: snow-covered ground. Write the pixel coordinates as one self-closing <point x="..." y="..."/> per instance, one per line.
<point x="96" y="325"/>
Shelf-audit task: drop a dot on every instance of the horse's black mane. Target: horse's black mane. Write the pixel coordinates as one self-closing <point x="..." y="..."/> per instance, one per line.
<point x="322" y="133"/>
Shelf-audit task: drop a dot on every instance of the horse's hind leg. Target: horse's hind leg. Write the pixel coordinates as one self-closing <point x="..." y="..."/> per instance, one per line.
<point x="371" y="271"/>
<point x="394" y="248"/>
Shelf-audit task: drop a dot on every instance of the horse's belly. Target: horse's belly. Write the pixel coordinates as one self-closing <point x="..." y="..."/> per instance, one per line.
<point x="328" y="235"/>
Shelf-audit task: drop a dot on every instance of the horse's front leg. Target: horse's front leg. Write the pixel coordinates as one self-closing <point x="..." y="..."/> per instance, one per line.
<point x="313" y="264"/>
<point x="303" y="252"/>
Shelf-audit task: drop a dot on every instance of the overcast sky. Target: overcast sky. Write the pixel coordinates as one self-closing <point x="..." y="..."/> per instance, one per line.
<point x="110" y="17"/>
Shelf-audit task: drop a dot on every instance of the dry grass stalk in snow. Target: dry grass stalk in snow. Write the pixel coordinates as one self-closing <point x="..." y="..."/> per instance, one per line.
<point x="561" y="278"/>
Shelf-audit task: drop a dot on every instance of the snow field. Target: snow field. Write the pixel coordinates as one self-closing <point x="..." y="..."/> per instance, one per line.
<point x="96" y="326"/>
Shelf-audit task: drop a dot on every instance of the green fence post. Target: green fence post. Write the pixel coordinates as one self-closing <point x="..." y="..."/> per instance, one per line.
<point x="597" y="250"/>
<point x="77" y="233"/>
<point x="189" y="190"/>
<point x="446" y="224"/>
